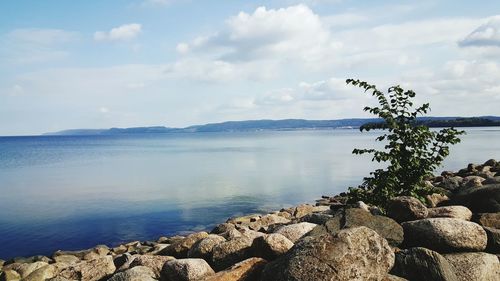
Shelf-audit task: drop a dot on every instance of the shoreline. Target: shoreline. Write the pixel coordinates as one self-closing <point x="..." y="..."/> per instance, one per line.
<point x="263" y="241"/>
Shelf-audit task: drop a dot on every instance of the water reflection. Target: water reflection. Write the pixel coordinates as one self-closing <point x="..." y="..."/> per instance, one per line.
<point x="75" y="192"/>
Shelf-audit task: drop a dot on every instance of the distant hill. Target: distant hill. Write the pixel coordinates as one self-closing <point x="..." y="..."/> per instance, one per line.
<point x="286" y="124"/>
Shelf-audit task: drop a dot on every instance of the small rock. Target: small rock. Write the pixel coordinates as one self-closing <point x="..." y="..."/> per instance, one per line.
<point x="154" y="262"/>
<point x="457" y="212"/>
<point x="475" y="266"/>
<point x="186" y="270"/>
<point x="451" y="183"/>
<point x="271" y="246"/>
<point x="138" y="273"/>
<point x="295" y="231"/>
<point x="473" y="181"/>
<point x="247" y="270"/>
<point x="444" y="235"/>
<point x="406" y="208"/>
<point x="423" y="264"/>
<point x="204" y="247"/>
<point x="352" y="254"/>
<point x="230" y="252"/>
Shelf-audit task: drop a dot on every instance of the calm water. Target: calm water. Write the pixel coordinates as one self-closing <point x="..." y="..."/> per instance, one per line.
<point x="75" y="192"/>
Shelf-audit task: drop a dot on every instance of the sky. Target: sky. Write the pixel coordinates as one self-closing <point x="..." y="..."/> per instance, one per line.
<point x="174" y="63"/>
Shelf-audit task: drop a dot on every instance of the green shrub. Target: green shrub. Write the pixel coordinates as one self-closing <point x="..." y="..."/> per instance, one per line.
<point x="412" y="151"/>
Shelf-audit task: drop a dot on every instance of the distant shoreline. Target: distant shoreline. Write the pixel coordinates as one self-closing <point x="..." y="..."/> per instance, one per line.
<point x="284" y="125"/>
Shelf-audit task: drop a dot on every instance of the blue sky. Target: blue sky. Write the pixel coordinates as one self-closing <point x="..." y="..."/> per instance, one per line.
<point x="123" y="63"/>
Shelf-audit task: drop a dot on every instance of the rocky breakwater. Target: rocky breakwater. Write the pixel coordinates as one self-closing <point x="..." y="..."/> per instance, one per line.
<point x="455" y="236"/>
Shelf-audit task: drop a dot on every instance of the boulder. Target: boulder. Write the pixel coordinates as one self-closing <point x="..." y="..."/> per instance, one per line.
<point x="434" y="199"/>
<point x="479" y="200"/>
<point x="9" y="275"/>
<point x="69" y="259"/>
<point x="123" y="261"/>
<point x="444" y="235"/>
<point x="475" y="266"/>
<point x="352" y="254"/>
<point x="179" y="248"/>
<point x="271" y="219"/>
<point x="295" y="231"/>
<point x="316" y="218"/>
<point x="271" y="246"/>
<point x="384" y="226"/>
<point x="302" y="210"/>
<point x="92" y="270"/>
<point x="457" y="212"/>
<point x="230" y="252"/>
<point x="155" y="263"/>
<point x="247" y="270"/>
<point x="223" y="227"/>
<point x="26" y="269"/>
<point x="451" y="183"/>
<point x="492" y="180"/>
<point x="138" y="273"/>
<point x="391" y="277"/>
<point x="204" y="247"/>
<point x="43" y="273"/>
<point x="186" y="270"/>
<point x="422" y="264"/>
<point x="406" y="208"/>
<point x="488" y="219"/>
<point x="231" y="234"/>
<point x="493" y="240"/>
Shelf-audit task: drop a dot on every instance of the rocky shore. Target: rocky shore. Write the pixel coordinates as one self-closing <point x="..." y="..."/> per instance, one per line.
<point x="455" y="236"/>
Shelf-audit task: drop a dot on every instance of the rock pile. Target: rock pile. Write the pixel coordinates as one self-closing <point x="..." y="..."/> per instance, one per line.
<point x="453" y="237"/>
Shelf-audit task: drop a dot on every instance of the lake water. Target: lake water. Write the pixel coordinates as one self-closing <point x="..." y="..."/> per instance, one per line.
<point x="74" y="192"/>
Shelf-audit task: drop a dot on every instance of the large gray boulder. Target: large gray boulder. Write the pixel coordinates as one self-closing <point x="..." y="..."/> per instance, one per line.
<point x="352" y="254"/>
<point x="230" y="252"/>
<point x="488" y="219"/>
<point x="155" y="263"/>
<point x="475" y="266"/>
<point x="271" y="246"/>
<point x="138" y="273"/>
<point x="186" y="270"/>
<point x="423" y="264"/>
<point x="457" y="212"/>
<point x="179" y="248"/>
<point x="479" y="200"/>
<point x="354" y="217"/>
<point x="204" y="247"/>
<point x="247" y="270"/>
<point x="493" y="240"/>
<point x="445" y="235"/>
<point x="295" y="231"/>
<point x="92" y="270"/>
<point x="406" y="208"/>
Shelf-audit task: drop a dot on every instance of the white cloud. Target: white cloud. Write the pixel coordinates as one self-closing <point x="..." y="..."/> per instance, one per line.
<point x="120" y="33"/>
<point x="269" y="33"/>
<point x="487" y="34"/>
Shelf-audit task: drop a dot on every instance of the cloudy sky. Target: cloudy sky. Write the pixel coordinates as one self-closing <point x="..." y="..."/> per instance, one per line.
<point x="123" y="63"/>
